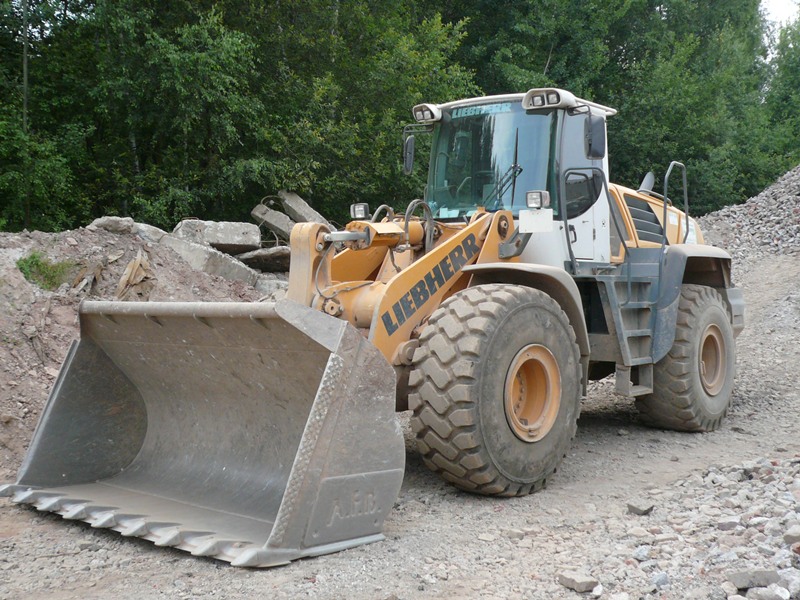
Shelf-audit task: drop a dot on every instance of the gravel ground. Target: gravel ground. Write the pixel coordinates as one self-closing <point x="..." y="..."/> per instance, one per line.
<point x="633" y="512"/>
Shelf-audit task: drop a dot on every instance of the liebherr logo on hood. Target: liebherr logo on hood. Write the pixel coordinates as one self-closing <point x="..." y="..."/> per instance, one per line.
<point x="447" y="268"/>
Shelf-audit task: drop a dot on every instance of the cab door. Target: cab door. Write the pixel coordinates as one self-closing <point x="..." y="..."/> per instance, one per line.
<point x="587" y="213"/>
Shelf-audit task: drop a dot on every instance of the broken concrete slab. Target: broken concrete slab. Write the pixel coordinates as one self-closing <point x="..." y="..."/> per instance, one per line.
<point x="149" y="233"/>
<point x="267" y="260"/>
<point x="211" y="261"/>
<point x="274" y="220"/>
<point x="113" y="224"/>
<point x="226" y="236"/>
<point x="299" y="210"/>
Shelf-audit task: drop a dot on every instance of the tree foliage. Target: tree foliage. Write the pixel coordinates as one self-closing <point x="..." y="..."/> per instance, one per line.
<point x="783" y="99"/>
<point x="687" y="77"/>
<point x="166" y="110"/>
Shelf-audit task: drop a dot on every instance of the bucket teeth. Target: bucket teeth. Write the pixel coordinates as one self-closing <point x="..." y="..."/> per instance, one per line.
<point x="104" y="520"/>
<point x="50" y="504"/>
<point x="134" y="528"/>
<point x="218" y="548"/>
<point x="26" y="495"/>
<point x="259" y="557"/>
<point x="210" y="547"/>
<point x="161" y="533"/>
<point x="251" y="557"/>
<point x="170" y="537"/>
<point x="75" y="511"/>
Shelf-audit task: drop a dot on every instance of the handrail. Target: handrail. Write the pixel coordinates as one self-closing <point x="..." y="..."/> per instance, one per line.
<point x="675" y="163"/>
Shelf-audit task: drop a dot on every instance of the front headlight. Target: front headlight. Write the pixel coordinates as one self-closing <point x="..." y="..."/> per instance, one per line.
<point x="537" y="199"/>
<point x="359" y="211"/>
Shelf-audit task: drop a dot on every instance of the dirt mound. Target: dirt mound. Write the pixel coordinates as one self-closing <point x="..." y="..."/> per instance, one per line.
<point x="37" y="325"/>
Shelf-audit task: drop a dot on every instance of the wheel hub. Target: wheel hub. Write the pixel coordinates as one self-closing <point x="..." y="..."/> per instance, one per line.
<point x="532" y="393"/>
<point x="713" y="366"/>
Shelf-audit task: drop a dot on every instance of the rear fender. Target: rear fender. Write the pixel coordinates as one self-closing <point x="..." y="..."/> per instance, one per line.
<point x="554" y="282"/>
<point x="697" y="264"/>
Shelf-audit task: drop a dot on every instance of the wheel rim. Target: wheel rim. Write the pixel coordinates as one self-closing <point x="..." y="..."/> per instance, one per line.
<point x="713" y="365"/>
<point x="532" y="393"/>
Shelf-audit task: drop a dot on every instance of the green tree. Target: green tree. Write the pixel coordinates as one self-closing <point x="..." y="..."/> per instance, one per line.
<point x="514" y="46"/>
<point x="696" y="96"/>
<point x="201" y="108"/>
<point x="37" y="186"/>
<point x="166" y="110"/>
<point x="783" y="96"/>
<point x="36" y="183"/>
<point x="687" y="78"/>
<point x="351" y="113"/>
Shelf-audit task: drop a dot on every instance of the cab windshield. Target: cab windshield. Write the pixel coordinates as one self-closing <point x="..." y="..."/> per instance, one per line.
<point x="473" y="158"/>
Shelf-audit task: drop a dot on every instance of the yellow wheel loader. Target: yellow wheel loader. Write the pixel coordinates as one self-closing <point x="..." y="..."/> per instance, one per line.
<point x="262" y="433"/>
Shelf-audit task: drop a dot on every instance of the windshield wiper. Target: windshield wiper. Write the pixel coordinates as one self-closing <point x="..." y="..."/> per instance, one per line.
<point x="509" y="178"/>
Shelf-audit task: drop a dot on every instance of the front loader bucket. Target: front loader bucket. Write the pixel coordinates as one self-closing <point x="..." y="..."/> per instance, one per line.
<point x="253" y="433"/>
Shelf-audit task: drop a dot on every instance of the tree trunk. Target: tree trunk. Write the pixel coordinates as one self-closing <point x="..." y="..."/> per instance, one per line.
<point x="26" y="159"/>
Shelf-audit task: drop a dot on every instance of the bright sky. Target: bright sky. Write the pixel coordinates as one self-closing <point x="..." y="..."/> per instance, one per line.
<point x="781" y="11"/>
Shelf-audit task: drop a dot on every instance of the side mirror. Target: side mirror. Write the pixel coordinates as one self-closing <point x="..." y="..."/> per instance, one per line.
<point x="408" y="155"/>
<point x="594" y="131"/>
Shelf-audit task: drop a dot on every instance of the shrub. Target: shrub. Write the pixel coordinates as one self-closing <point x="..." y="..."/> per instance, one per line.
<point x="37" y="269"/>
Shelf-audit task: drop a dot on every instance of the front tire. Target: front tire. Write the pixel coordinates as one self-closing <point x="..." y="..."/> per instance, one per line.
<point x="693" y="383"/>
<point x="495" y="388"/>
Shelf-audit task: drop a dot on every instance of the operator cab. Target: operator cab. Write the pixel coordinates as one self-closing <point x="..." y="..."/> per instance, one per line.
<point x="501" y="152"/>
<point x="475" y="158"/>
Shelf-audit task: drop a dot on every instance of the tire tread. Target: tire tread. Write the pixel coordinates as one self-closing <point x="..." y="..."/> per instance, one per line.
<point x="673" y="404"/>
<point x="457" y="454"/>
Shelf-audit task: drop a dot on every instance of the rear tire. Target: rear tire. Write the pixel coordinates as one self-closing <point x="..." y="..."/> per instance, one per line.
<point x="495" y="388"/>
<point x="693" y="383"/>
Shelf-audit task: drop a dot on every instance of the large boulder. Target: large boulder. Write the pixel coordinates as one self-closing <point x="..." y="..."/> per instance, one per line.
<point x="112" y="224"/>
<point x="149" y="233"/>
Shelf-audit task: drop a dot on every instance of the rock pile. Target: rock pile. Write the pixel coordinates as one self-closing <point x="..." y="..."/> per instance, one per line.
<point x="738" y="525"/>
<point x="767" y="223"/>
<point x="725" y="533"/>
<point x="231" y="250"/>
<point x="208" y="246"/>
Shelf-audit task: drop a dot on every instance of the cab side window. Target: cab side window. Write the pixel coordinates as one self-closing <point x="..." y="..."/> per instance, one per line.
<point x="582" y="187"/>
